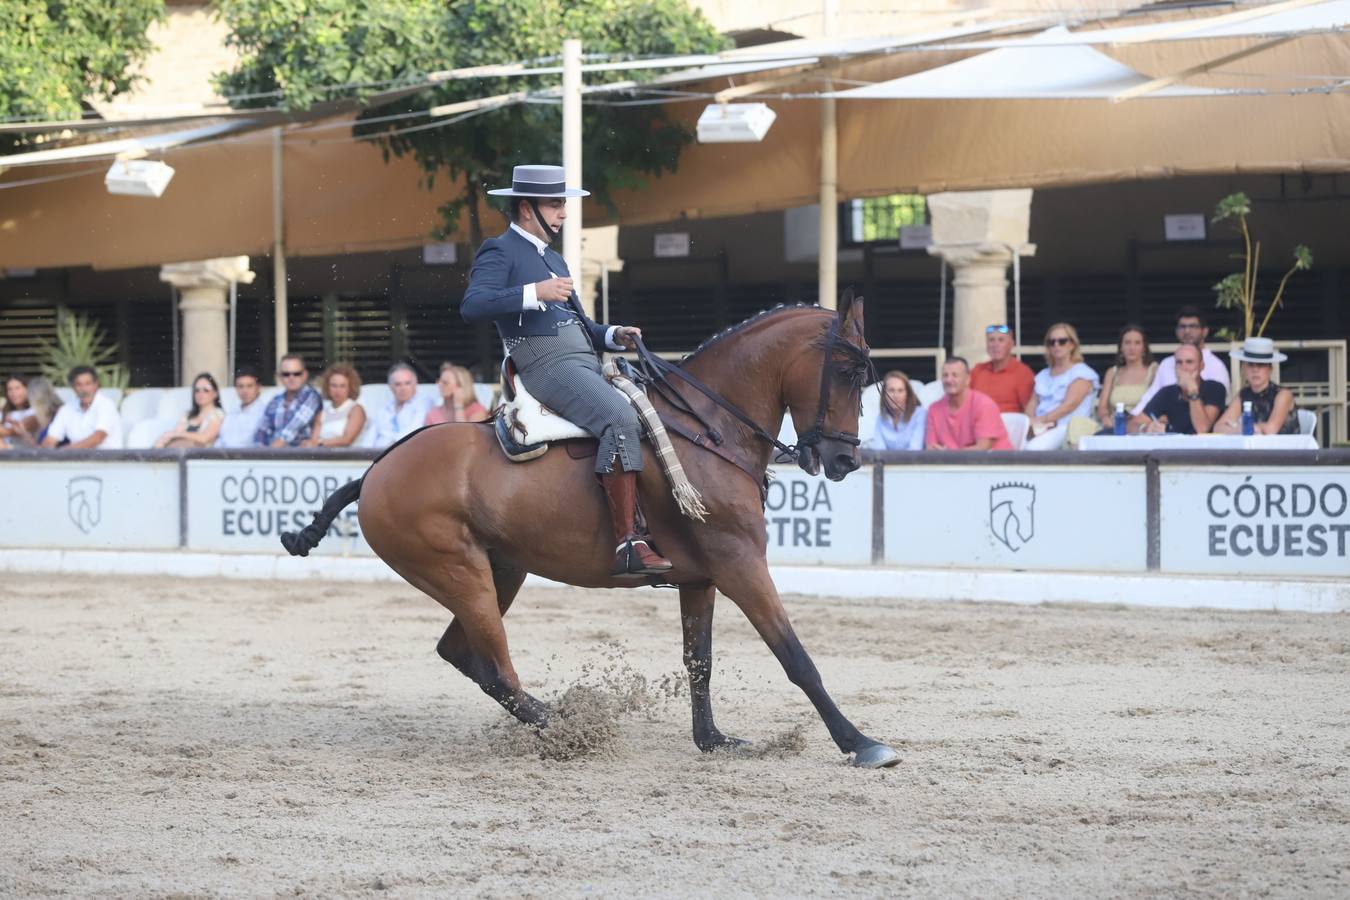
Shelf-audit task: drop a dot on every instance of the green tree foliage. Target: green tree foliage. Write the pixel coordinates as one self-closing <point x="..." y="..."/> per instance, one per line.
<point x="55" y="54"/>
<point x="295" y="53"/>
<point x="81" y="342"/>
<point x="1238" y="291"/>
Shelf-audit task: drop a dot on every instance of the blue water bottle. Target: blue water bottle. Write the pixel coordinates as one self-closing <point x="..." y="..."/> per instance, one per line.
<point x="1248" y="420"/>
<point x="1120" y="418"/>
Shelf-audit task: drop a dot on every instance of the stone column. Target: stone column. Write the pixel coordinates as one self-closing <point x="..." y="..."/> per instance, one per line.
<point x="204" y="303"/>
<point x="977" y="232"/>
<point x="599" y="254"/>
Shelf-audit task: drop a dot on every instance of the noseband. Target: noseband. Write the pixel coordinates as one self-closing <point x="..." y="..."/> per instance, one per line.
<point x="654" y="370"/>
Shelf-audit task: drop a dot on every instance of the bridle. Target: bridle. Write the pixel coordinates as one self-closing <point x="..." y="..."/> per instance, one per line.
<point x="859" y="357"/>
<point x="653" y="371"/>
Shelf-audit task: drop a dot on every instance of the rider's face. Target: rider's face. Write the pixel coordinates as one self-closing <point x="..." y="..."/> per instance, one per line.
<point x="554" y="212"/>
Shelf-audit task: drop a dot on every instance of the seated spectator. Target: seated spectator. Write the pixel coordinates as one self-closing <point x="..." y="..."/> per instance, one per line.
<point x="1131" y="376"/>
<point x="201" y="426"/>
<point x="1192" y="330"/>
<point x="288" y="420"/>
<point x="404" y="413"/>
<point x="1004" y="379"/>
<point x="901" y="423"/>
<point x="18" y="421"/>
<point x="963" y="419"/>
<point x="240" y="427"/>
<point x="458" y="401"/>
<point x="1188" y="407"/>
<point x="342" y="419"/>
<point x="91" y="423"/>
<point x="1064" y="389"/>
<point x="46" y="404"/>
<point x="1272" y="405"/>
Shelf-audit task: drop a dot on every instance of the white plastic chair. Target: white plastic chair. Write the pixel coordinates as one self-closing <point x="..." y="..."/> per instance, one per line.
<point x="1016" y="425"/>
<point x="66" y="394"/>
<point x="137" y="406"/>
<point x="145" y="432"/>
<point x="373" y="398"/>
<point x="229" y="399"/>
<point x="929" y="393"/>
<point x="113" y="394"/>
<point x="174" y="402"/>
<point x="1307" y="421"/>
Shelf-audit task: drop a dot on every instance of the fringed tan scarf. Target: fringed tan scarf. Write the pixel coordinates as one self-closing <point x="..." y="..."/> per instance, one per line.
<point x="687" y="497"/>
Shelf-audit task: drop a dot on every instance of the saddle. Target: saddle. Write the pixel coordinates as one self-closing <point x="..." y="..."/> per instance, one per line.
<point x="525" y="427"/>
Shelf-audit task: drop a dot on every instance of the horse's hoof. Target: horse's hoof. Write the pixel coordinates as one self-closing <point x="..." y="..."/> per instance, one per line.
<point x="877" y="756"/>
<point x="723" y="744"/>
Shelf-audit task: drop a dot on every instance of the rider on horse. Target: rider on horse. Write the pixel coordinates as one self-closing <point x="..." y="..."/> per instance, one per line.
<point x="523" y="285"/>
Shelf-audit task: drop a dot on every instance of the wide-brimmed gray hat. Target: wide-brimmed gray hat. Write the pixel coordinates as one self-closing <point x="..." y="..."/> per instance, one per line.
<point x="1259" y="350"/>
<point x="539" y="181"/>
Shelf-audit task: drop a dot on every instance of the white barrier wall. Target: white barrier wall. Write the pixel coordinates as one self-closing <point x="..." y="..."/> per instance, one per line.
<point x="1251" y="517"/>
<point x="813" y="520"/>
<point x="1264" y="521"/>
<point x="89" y="505"/>
<point x="242" y="506"/>
<point x="1074" y="518"/>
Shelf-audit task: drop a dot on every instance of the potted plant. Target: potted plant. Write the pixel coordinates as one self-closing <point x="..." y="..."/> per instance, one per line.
<point x="1238" y="291"/>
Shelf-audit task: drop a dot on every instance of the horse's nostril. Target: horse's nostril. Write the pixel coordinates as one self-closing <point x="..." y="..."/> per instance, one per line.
<point x="846" y="462"/>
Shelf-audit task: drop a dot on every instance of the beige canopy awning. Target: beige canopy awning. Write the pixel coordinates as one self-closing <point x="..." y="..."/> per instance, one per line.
<point x="340" y="195"/>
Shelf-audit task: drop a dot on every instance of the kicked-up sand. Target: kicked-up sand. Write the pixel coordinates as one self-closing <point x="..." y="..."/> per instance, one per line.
<point x="163" y="737"/>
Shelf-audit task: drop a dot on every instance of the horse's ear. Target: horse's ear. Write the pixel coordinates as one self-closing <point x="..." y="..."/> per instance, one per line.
<point x="851" y="311"/>
<point x="845" y="301"/>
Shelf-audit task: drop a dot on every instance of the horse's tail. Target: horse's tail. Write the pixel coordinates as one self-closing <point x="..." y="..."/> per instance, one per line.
<point x="299" y="543"/>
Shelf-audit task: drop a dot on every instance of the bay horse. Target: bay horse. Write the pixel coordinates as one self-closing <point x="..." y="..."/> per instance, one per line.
<point x="451" y="514"/>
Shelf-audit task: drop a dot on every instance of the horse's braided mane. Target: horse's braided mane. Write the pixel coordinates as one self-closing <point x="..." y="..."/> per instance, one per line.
<point x="741" y="326"/>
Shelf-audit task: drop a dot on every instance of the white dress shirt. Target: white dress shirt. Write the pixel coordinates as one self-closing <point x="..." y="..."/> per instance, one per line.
<point x="1214" y="370"/>
<point x="238" y="429"/>
<point x="74" y="423"/>
<point x="396" y="421"/>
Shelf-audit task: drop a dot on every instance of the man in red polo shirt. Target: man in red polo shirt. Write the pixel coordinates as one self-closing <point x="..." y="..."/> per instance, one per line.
<point x="1007" y="381"/>
<point x="963" y="419"/>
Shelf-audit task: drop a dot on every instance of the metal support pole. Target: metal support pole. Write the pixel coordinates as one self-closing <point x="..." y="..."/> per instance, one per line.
<point x="828" y="265"/>
<point x="279" y="248"/>
<point x="234" y="320"/>
<point x="827" y="274"/>
<point x="1017" y="296"/>
<point x="942" y="306"/>
<point x="572" y="161"/>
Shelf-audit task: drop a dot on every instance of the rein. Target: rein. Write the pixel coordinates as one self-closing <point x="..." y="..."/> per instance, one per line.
<point x="653" y="370"/>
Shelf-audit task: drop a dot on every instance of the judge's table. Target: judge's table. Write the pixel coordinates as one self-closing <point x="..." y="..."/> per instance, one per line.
<point x="1198" y="442"/>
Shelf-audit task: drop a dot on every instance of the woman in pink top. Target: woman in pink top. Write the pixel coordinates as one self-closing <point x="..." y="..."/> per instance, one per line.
<point x="458" y="403"/>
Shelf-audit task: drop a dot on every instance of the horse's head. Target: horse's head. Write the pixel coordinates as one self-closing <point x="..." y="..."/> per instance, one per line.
<point x="823" y="389"/>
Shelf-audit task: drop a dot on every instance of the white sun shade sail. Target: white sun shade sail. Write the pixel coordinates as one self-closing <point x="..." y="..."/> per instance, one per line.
<point x="1041" y="72"/>
<point x="1284" y="20"/>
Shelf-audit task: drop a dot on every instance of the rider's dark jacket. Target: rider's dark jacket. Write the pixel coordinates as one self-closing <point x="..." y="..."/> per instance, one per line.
<point x="502" y="268"/>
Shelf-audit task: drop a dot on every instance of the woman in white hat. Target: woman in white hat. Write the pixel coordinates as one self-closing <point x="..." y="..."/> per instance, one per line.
<point x="1272" y="405"/>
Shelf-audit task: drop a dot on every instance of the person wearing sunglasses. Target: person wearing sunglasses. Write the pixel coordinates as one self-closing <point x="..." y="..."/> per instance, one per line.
<point x="201" y="426"/>
<point x="289" y="418"/>
<point x="1191" y="329"/>
<point x="1008" y="381"/>
<point x="1064" y="389"/>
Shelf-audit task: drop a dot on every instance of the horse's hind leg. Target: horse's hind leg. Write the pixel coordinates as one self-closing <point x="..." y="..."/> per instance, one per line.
<point x="475" y="642"/>
<point x="696" y="617"/>
<point x="754" y="592"/>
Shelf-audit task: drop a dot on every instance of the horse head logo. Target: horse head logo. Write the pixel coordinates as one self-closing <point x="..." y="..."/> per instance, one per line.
<point x="85" y="501"/>
<point x="1012" y="514"/>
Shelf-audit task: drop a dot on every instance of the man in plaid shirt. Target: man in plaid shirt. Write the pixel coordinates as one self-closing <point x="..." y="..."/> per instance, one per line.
<point x="288" y="419"/>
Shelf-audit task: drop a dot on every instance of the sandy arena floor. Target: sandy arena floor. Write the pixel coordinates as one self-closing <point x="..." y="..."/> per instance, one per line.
<point x="176" y="737"/>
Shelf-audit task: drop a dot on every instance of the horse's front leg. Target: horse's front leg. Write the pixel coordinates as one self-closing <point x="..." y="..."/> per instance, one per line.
<point x="752" y="589"/>
<point x="696" y="617"/>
